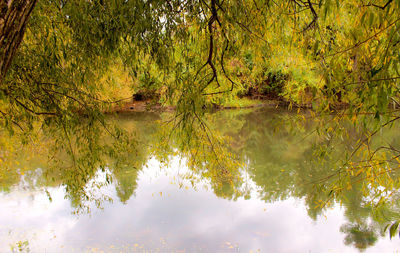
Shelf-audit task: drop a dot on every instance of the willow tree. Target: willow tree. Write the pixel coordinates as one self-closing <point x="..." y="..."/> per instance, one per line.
<point x="52" y="80"/>
<point x="13" y="18"/>
<point x="349" y="48"/>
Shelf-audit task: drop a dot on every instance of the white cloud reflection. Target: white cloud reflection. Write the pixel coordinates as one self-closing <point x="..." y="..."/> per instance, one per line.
<point x="182" y="220"/>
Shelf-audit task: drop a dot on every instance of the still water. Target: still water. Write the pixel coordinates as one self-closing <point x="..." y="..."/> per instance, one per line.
<point x="159" y="206"/>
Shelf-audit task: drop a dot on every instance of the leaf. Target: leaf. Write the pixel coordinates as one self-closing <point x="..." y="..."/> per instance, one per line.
<point x="393" y="229"/>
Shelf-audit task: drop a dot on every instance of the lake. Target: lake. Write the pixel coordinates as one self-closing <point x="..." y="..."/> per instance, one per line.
<point x="257" y="194"/>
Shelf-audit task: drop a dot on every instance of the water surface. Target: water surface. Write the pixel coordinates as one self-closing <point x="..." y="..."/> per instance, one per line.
<point x="167" y="206"/>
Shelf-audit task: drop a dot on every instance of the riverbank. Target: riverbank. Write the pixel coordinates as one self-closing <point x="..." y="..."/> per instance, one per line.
<point x="240" y="103"/>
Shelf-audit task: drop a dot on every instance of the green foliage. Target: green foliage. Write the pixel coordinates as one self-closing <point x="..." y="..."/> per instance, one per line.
<point x="198" y="54"/>
<point x="21" y="246"/>
<point x="392" y="228"/>
<point x="326" y="53"/>
<point x="272" y="153"/>
<point x="362" y="238"/>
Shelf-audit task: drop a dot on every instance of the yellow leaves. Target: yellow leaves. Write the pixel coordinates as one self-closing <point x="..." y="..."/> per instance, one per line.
<point x="319" y="203"/>
<point x="359" y="172"/>
<point x="354" y="118"/>
<point x="230" y="245"/>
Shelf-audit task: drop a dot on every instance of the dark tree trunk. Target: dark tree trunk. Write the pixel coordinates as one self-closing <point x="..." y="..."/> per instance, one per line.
<point x="14" y="15"/>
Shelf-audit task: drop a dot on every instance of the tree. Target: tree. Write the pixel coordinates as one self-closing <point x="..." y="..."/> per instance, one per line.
<point x="13" y="19"/>
<point x="331" y="53"/>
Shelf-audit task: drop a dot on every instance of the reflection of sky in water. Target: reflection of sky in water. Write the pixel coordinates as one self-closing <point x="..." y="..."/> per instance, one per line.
<point x="178" y="220"/>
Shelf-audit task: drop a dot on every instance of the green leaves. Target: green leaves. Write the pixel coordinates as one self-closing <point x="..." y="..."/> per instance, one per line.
<point x="393" y="228"/>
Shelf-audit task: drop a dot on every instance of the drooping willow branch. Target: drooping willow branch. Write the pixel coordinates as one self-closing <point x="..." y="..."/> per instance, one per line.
<point x="378" y="6"/>
<point x="209" y="62"/>
<point x="214" y="7"/>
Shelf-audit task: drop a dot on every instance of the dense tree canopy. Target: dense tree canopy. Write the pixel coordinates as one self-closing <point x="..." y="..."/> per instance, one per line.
<point x="63" y="63"/>
<point x="345" y="52"/>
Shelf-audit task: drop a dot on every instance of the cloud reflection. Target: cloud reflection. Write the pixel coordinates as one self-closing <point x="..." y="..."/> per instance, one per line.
<point x="184" y="220"/>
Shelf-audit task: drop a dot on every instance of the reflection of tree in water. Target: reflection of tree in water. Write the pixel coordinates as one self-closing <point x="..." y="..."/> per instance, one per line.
<point x="360" y="236"/>
<point x="283" y="164"/>
<point x="278" y="152"/>
<point x="125" y="172"/>
<point x="92" y="156"/>
<point x="126" y="183"/>
<point x="206" y="153"/>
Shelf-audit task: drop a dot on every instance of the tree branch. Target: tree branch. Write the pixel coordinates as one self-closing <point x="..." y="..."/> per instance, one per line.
<point x="377" y="6"/>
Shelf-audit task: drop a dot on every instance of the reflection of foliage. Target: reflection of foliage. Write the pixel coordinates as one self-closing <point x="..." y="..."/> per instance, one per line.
<point x="277" y="151"/>
<point x="346" y="54"/>
<point x="83" y="149"/>
<point x="368" y="166"/>
<point x="21" y="246"/>
<point x="206" y="154"/>
<point x="13" y="162"/>
<point x="359" y="236"/>
<point x="300" y="163"/>
<point x="76" y="154"/>
<point x="126" y="184"/>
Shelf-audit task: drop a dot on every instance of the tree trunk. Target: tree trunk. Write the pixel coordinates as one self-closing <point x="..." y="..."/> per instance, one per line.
<point x="14" y="15"/>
